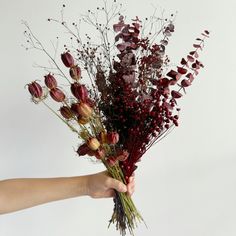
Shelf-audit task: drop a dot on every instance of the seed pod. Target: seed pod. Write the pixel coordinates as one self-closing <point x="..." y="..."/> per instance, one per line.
<point x="75" y="73"/>
<point x="112" y="137"/>
<point x="85" y="110"/>
<point x="83" y="120"/>
<point x="93" y="144"/>
<point x="67" y="59"/>
<point x="57" y="95"/>
<point x="83" y="149"/>
<point x="50" y="81"/>
<point x="123" y="155"/>
<point x="100" y="154"/>
<point x="35" y="89"/>
<point x="66" y="112"/>
<point x="79" y="91"/>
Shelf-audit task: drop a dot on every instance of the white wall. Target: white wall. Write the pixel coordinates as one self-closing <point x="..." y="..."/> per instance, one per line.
<point x="186" y="185"/>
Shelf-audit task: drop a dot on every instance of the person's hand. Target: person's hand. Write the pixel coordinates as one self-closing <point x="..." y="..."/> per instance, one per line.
<point x="101" y="185"/>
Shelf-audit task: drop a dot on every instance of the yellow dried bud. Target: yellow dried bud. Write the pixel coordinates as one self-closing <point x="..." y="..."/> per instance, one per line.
<point x="93" y="144"/>
<point x="103" y="137"/>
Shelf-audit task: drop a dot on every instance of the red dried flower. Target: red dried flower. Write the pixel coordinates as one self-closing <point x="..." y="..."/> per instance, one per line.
<point x="112" y="137"/>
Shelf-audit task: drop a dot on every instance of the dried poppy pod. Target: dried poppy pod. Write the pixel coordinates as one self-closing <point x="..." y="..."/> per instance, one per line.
<point x="35" y="89"/>
<point x="75" y="73"/>
<point x="100" y="153"/>
<point x="66" y="112"/>
<point x="93" y="144"/>
<point x="79" y="91"/>
<point x="85" y="150"/>
<point x="67" y="59"/>
<point x="83" y="120"/>
<point x="112" y="137"/>
<point x="57" y="95"/>
<point x="50" y="81"/>
<point x="85" y="110"/>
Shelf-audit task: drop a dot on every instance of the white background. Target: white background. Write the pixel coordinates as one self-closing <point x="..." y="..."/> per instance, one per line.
<point x="186" y="185"/>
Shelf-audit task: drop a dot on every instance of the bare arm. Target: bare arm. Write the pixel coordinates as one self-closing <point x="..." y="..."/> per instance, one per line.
<point x="17" y="194"/>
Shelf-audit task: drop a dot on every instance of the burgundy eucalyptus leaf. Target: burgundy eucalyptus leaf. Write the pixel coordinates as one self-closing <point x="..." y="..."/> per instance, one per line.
<point x="183" y="61"/>
<point x="190" y="76"/>
<point x="176" y="94"/>
<point x="182" y="70"/>
<point x="190" y="58"/>
<point x="172" y="74"/>
<point x="185" y="83"/>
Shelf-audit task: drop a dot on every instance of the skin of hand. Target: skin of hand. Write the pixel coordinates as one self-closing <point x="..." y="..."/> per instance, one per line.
<point x="101" y="185"/>
<point x="18" y="194"/>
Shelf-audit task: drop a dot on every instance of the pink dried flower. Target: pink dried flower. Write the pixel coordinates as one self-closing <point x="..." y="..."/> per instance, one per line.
<point x="112" y="137"/>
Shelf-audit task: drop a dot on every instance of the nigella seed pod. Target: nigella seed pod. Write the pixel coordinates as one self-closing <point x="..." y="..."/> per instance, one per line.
<point x="75" y="73"/>
<point x="67" y="59"/>
<point x="66" y="112"/>
<point x="85" y="110"/>
<point x="83" y="120"/>
<point x="50" y="81"/>
<point x="93" y="144"/>
<point x="79" y="91"/>
<point x="35" y="89"/>
<point x="123" y="155"/>
<point x="112" y="137"/>
<point x="83" y="149"/>
<point x="100" y="154"/>
<point x="57" y="95"/>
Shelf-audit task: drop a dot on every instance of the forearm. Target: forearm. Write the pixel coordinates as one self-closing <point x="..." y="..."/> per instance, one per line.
<point x="17" y="194"/>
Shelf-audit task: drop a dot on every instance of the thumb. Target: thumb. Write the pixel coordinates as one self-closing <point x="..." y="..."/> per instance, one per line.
<point x="117" y="185"/>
